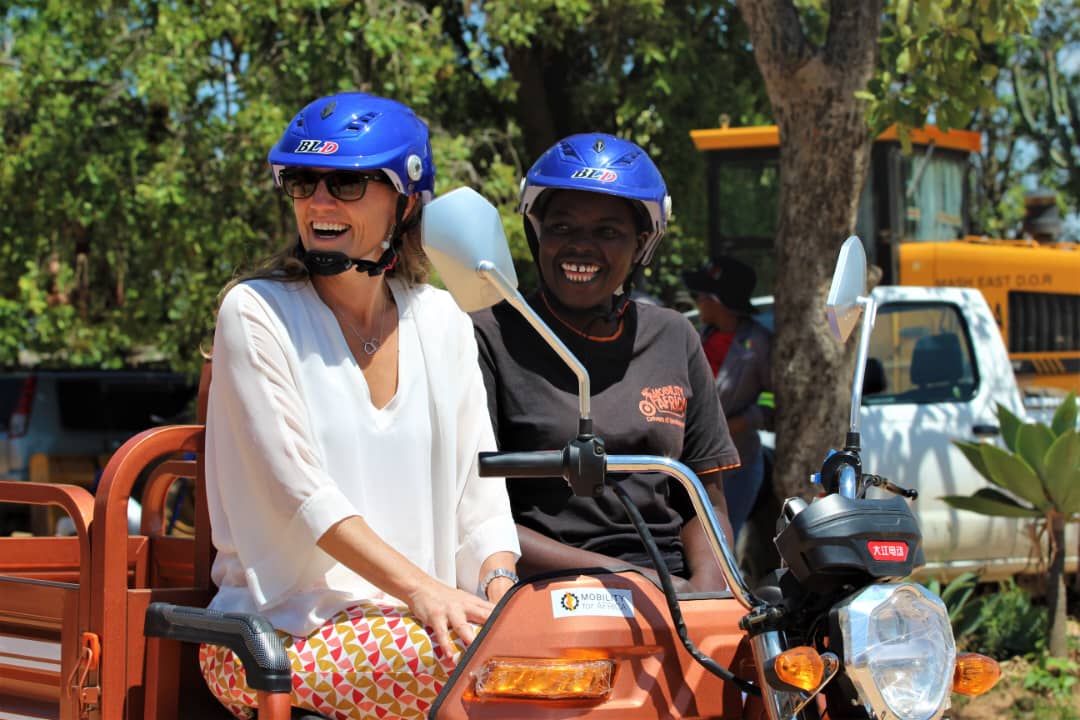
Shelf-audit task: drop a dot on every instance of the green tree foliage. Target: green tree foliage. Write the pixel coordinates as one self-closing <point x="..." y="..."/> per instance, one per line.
<point x="997" y="197"/>
<point x="1031" y="133"/>
<point x="139" y="133"/>
<point x="135" y="181"/>
<point x="1036" y="476"/>
<point x="942" y="57"/>
<point x="1046" y="82"/>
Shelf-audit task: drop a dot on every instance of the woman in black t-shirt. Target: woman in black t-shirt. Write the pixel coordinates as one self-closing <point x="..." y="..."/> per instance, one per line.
<point x="595" y="208"/>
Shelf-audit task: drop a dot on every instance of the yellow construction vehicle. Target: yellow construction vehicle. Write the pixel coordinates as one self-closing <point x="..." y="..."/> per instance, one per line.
<point x="914" y="219"/>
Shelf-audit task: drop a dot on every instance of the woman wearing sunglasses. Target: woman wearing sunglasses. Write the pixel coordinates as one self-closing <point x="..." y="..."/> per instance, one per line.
<point x="595" y="208"/>
<point x="345" y="416"/>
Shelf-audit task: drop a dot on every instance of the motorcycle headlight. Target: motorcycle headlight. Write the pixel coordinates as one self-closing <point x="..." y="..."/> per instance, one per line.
<point x="899" y="650"/>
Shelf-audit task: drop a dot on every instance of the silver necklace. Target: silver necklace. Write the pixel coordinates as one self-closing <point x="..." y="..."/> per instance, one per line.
<point x="370" y="345"/>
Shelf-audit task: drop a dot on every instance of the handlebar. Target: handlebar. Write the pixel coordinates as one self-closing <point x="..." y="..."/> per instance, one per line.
<point x="251" y="637"/>
<point x="699" y="498"/>
<point x="583" y="464"/>
<point x="547" y="463"/>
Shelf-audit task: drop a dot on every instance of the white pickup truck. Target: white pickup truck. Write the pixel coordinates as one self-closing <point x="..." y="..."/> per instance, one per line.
<point x="941" y="369"/>
<point x="937" y="370"/>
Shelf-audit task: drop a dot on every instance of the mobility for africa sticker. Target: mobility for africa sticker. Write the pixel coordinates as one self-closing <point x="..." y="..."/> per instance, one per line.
<point x="592" y="602"/>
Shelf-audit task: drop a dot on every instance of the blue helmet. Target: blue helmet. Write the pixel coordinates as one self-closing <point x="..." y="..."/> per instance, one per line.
<point x="600" y="163"/>
<point x="357" y="131"/>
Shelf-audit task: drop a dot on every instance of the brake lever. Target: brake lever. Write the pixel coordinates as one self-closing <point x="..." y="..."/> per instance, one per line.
<point x="887" y="484"/>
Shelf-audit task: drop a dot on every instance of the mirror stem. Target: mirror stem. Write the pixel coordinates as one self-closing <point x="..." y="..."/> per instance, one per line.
<point x="869" y="311"/>
<point x="512" y="296"/>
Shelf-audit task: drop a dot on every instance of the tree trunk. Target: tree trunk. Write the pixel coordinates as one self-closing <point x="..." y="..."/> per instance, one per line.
<point x="824" y="156"/>
<point x="534" y="112"/>
<point x="1057" y="641"/>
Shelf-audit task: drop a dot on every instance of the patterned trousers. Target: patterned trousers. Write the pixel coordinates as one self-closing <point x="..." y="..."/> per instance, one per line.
<point x="368" y="661"/>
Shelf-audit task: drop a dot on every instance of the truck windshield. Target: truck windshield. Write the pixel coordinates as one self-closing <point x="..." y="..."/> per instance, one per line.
<point x="919" y="353"/>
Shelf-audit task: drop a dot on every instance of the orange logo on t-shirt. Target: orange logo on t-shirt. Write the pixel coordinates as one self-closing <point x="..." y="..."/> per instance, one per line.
<point x="666" y="404"/>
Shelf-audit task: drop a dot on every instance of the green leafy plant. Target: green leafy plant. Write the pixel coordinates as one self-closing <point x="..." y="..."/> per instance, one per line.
<point x="1053" y="676"/>
<point x="957" y="595"/>
<point x="1036" y="476"/>
<point x="1004" y="623"/>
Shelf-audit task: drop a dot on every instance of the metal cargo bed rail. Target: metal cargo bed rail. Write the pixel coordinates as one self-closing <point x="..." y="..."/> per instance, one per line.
<point x="76" y="638"/>
<point x="45" y="589"/>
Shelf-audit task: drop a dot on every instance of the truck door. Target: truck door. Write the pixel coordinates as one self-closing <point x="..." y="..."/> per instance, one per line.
<point x="934" y="376"/>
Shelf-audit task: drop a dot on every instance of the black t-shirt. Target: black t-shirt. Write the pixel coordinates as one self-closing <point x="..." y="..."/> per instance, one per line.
<point x="652" y="394"/>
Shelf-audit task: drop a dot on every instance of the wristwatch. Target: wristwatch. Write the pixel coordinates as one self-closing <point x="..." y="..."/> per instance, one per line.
<point x="496" y="573"/>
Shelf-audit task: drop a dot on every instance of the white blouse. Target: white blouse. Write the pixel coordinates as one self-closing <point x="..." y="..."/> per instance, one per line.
<point x="294" y="445"/>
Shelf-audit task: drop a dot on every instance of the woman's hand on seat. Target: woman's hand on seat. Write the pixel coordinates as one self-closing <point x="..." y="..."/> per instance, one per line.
<point x="353" y="543"/>
<point x="443" y="608"/>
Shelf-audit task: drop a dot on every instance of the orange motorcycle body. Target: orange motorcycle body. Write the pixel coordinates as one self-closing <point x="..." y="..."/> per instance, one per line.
<point x="572" y="617"/>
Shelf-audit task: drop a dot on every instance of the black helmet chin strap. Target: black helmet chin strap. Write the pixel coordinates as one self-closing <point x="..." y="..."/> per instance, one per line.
<point x="324" y="264"/>
<point x="622" y="301"/>
<point x="334" y="263"/>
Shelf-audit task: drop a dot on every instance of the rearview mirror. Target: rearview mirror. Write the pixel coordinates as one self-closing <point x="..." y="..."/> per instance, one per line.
<point x="463" y="236"/>
<point x="848" y="284"/>
<point x="461" y="230"/>
<point x="846" y="301"/>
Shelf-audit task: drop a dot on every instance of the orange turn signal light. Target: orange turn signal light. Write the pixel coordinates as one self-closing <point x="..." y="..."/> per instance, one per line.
<point x="800" y="667"/>
<point x="545" y="679"/>
<point x="975" y="674"/>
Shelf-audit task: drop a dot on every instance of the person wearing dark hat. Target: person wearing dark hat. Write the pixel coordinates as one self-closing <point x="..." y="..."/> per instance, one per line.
<point x="738" y="349"/>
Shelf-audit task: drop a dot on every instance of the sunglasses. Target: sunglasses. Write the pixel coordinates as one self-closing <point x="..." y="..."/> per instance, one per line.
<point x="342" y="184"/>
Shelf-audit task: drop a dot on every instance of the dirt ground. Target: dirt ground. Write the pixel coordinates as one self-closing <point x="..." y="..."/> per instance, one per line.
<point x="1010" y="699"/>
